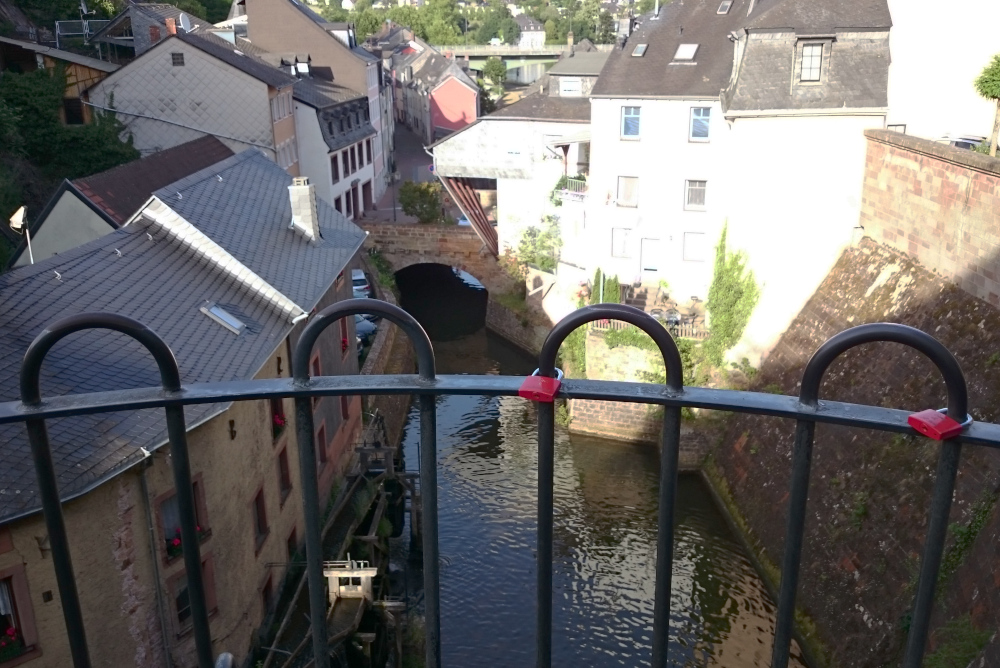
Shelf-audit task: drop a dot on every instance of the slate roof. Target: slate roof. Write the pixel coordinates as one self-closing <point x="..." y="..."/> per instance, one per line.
<point x="59" y="54"/>
<point x="652" y="75"/>
<point x="159" y="283"/>
<point x="528" y="24"/>
<point x="162" y="283"/>
<point x="222" y="49"/>
<point x="857" y="71"/>
<point x="542" y="107"/>
<point x="122" y="191"/>
<point x="248" y="213"/>
<point x="156" y="10"/>
<point x="321" y="94"/>
<point x="820" y="17"/>
<point x="589" y="63"/>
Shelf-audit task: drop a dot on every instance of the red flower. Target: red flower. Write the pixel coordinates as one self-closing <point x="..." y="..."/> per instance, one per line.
<point x="177" y="542"/>
<point x="343" y="345"/>
<point x="12" y="632"/>
<point x="279" y="421"/>
<point x="198" y="529"/>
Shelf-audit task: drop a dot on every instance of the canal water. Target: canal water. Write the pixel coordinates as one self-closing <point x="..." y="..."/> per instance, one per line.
<point x="604" y="547"/>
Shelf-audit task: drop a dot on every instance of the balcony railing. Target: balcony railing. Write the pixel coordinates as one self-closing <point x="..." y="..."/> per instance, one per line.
<point x="806" y="410"/>
<point x="575" y="190"/>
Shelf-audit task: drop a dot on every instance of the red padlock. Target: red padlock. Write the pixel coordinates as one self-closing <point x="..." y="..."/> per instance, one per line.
<point x="935" y="424"/>
<point x="540" y="388"/>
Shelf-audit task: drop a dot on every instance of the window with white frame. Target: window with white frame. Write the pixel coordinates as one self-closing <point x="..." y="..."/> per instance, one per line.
<point x="695" y="247"/>
<point x="569" y="86"/>
<point x="699" y="123"/>
<point x="628" y="191"/>
<point x="694" y="197"/>
<point x="619" y="242"/>
<point x="630" y="122"/>
<point x="812" y="60"/>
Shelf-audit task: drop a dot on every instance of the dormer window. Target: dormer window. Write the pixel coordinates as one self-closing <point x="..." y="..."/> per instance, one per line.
<point x="812" y="61"/>
<point x="685" y="53"/>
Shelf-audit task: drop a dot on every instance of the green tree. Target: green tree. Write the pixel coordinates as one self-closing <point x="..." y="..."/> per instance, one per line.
<point x="510" y="31"/>
<point x="495" y="70"/>
<point x="988" y="85"/>
<point x="605" y="29"/>
<point x="408" y="16"/>
<point x="334" y="13"/>
<point x="540" y="245"/>
<point x="441" y="22"/>
<point x="367" y="23"/>
<point x="731" y="300"/>
<point x="421" y="200"/>
<point x="551" y="32"/>
<point x="487" y="105"/>
<point x="646" y="6"/>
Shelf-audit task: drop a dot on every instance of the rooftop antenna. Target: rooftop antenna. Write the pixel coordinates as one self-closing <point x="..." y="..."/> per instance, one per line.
<point x="17" y="224"/>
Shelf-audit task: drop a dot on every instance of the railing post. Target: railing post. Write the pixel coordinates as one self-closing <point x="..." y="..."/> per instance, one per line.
<point x="944" y="484"/>
<point x="310" y="485"/>
<point x="669" y="455"/>
<point x="48" y="489"/>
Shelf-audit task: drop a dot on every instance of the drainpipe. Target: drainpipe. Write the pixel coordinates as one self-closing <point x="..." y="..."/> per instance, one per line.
<point x="156" y="566"/>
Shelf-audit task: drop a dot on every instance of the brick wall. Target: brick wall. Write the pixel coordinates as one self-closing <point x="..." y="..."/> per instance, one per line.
<point x="938" y="204"/>
<point x="517" y="329"/>
<point x="625" y="421"/>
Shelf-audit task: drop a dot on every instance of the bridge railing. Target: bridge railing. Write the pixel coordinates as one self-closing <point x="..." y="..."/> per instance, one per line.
<point x="426" y="385"/>
<point x="509" y="49"/>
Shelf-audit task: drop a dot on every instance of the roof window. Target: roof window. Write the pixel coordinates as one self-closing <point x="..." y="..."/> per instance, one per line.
<point x="685" y="53"/>
<point x="640" y="50"/>
<point x="724" y="7"/>
<point x="223" y="317"/>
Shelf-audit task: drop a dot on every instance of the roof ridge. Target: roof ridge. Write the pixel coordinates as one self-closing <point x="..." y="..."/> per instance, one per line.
<point x="158" y="212"/>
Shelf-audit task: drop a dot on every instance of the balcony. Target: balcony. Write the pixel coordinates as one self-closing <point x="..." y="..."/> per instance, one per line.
<point x="806" y="410"/>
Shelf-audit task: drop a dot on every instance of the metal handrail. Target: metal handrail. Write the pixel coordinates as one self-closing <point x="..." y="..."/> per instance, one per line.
<point x="807" y="410"/>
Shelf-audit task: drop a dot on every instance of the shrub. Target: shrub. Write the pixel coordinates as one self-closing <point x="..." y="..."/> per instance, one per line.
<point x="731" y="299"/>
<point x="421" y="200"/>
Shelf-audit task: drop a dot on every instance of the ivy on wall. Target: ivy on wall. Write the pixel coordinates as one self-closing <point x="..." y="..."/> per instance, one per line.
<point x="732" y="297"/>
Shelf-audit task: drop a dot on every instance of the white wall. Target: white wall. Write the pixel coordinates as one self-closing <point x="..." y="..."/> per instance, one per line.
<point x="937" y="52"/>
<point x="314" y="160"/>
<point x="69" y="224"/>
<point x="205" y="96"/>
<point x="663" y="158"/>
<point x="793" y="206"/>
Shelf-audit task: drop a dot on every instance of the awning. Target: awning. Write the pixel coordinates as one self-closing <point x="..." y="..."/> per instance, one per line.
<point x="581" y="137"/>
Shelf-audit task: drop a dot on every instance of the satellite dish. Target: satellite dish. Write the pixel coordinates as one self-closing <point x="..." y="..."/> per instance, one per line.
<point x="185" y="22"/>
<point x="17" y="221"/>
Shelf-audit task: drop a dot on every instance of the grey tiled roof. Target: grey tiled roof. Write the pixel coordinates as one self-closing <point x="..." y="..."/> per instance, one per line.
<point x="248" y="213"/>
<point x="220" y="48"/>
<point x="652" y="74"/>
<point x="159" y="283"/>
<point x="820" y="16"/>
<point x="528" y="24"/>
<point x="589" y="63"/>
<point x="854" y="76"/>
<point x="542" y="107"/>
<point x="320" y="94"/>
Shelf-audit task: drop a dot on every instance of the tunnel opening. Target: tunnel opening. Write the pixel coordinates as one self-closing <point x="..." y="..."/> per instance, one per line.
<point x="450" y="303"/>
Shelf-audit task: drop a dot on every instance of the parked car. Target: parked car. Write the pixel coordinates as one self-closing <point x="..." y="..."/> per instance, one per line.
<point x="463" y="221"/>
<point x="969" y="142"/>
<point x="365" y="329"/>
<point x="360" y="283"/>
<point x="361" y="346"/>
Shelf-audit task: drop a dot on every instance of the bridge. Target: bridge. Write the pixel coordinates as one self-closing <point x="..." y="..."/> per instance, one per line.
<point x="409" y="244"/>
<point x="524" y="65"/>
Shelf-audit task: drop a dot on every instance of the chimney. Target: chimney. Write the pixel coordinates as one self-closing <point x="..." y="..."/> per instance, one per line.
<point x="154" y="34"/>
<point x="171" y="26"/>
<point x="305" y="218"/>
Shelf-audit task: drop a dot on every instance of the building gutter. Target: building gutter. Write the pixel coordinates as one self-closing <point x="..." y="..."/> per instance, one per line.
<point x="785" y="113"/>
<point x="146" y="463"/>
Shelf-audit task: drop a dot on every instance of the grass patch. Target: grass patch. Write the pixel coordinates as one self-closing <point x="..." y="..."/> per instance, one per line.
<point x="385" y="275"/>
<point x="960" y="642"/>
<point x="965" y="536"/>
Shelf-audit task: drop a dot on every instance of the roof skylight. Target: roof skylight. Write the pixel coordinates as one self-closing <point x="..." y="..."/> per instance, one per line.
<point x="685" y="53"/>
<point x="223" y="317"/>
<point x="724" y="7"/>
<point x="640" y="50"/>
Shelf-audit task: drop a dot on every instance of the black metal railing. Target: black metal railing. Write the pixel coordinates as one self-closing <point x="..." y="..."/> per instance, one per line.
<point x="807" y="410"/>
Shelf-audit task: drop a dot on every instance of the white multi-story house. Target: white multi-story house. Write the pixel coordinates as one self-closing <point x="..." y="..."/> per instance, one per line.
<point x="742" y="113"/>
<point x="532" y="32"/>
<point x="337" y="144"/>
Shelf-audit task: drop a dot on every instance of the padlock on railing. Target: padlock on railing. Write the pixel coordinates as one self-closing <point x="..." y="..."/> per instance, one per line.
<point x="935" y="424"/>
<point x="541" y="388"/>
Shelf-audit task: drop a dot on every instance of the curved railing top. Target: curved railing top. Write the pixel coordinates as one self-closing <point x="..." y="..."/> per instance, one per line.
<point x="934" y="350"/>
<point x="31" y="367"/>
<point x="331" y="314"/>
<point x="661" y="337"/>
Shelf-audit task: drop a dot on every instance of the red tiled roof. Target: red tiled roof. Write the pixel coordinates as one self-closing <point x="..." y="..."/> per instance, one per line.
<point x="121" y="191"/>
